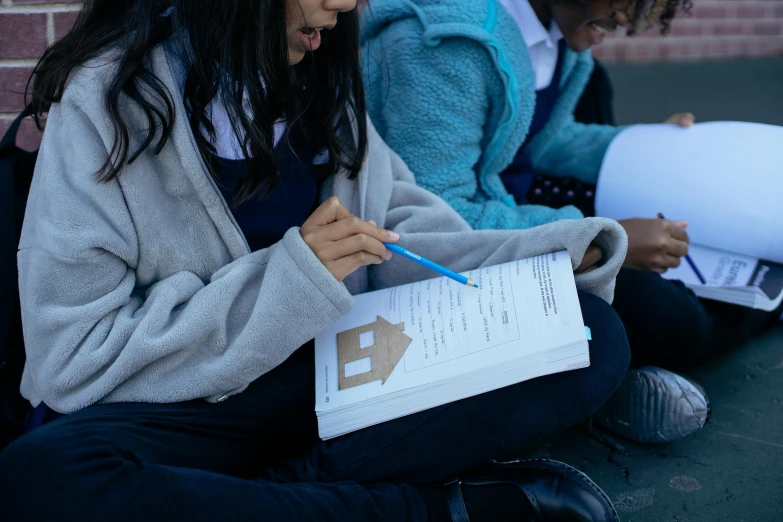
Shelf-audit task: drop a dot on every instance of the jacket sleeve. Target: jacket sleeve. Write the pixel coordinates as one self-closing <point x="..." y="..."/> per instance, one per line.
<point x="92" y="334"/>
<point x="431" y="108"/>
<point x="576" y="150"/>
<point x="428" y="226"/>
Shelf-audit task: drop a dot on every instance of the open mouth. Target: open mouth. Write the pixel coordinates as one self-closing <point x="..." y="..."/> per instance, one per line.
<point x="310" y="38"/>
<point x="599" y="30"/>
<point x="311" y="32"/>
<point x="598" y="33"/>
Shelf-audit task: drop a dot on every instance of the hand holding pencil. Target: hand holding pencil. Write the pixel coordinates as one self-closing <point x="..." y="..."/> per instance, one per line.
<point x="655" y="244"/>
<point x="689" y="259"/>
<point x="343" y="242"/>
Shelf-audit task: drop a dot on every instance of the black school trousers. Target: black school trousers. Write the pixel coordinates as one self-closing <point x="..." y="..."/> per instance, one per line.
<point x="257" y="456"/>
<point x="668" y="326"/>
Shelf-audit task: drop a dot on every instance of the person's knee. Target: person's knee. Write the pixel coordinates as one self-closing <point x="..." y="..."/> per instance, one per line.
<point x="651" y="304"/>
<point x="32" y="468"/>
<point x="610" y="353"/>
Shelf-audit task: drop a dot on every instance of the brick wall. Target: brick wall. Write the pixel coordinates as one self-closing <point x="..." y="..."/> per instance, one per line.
<point x="713" y="29"/>
<point x="27" y="27"/>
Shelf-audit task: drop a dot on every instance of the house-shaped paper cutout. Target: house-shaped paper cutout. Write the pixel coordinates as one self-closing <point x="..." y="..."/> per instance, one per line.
<point x="390" y="345"/>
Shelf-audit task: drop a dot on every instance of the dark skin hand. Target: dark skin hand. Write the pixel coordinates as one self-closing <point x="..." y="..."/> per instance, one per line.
<point x="591" y="260"/>
<point x="655" y="244"/>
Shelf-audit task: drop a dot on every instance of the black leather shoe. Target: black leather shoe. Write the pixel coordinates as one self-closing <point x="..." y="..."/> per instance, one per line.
<point x="556" y="491"/>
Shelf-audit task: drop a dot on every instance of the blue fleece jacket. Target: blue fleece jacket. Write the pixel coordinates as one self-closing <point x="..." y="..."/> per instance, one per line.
<point x="450" y="87"/>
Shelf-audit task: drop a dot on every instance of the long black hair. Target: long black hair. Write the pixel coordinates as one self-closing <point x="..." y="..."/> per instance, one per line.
<point x="234" y="51"/>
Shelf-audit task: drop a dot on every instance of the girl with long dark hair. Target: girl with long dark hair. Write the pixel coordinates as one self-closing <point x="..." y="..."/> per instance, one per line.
<point x="208" y="196"/>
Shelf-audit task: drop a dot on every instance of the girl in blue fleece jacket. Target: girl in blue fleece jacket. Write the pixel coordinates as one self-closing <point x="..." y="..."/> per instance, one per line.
<point x="477" y="96"/>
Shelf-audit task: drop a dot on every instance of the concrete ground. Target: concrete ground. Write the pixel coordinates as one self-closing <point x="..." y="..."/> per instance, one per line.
<point x="732" y="470"/>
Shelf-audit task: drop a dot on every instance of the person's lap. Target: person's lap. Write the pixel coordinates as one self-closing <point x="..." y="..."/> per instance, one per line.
<point x="269" y="433"/>
<point x="669" y="326"/>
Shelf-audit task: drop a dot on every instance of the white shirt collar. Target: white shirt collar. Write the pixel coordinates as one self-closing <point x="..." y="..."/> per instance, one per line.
<point x="533" y="31"/>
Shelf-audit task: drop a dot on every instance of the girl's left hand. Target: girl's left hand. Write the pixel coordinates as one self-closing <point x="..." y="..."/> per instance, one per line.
<point x="683" y="119"/>
<point x="591" y="260"/>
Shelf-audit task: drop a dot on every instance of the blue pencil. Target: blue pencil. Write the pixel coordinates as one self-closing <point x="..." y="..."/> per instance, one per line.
<point x="397" y="249"/>
<point x="690" y="262"/>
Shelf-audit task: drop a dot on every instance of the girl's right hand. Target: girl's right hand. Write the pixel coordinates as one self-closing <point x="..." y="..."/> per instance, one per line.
<point x="343" y="242"/>
<point x="655" y="244"/>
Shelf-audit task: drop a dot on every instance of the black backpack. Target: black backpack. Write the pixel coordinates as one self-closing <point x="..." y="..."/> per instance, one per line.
<point x="16" y="173"/>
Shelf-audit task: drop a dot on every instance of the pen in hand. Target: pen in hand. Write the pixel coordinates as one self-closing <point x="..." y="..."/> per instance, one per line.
<point x="690" y="261"/>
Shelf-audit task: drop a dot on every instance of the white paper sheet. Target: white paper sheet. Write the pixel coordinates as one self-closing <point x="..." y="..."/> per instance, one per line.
<point x="725" y="178"/>
<point x="527" y="305"/>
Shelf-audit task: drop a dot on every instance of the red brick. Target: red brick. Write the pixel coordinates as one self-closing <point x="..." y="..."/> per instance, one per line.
<point x="750" y="10"/>
<point x="711" y="10"/>
<point x="35" y="2"/>
<point x="678" y="50"/>
<point x="767" y="28"/>
<point x="647" y="51"/>
<point x="29" y="137"/>
<point x="756" y="48"/>
<point x="727" y="28"/>
<point x="63" y="22"/>
<point x="727" y="48"/>
<point x="664" y="51"/>
<point x="23" y="35"/>
<point x="687" y="28"/>
<point x="12" y="84"/>
<point x="650" y="32"/>
<point x="621" y="52"/>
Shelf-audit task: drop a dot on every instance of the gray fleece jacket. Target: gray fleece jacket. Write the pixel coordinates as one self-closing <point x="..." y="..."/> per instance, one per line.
<point x="144" y="289"/>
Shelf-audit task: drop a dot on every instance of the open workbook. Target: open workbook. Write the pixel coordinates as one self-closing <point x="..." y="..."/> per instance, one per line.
<point x="726" y="180"/>
<point x="412" y="347"/>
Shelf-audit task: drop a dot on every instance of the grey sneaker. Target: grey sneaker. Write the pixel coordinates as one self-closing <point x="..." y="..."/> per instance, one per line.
<point x="653" y="405"/>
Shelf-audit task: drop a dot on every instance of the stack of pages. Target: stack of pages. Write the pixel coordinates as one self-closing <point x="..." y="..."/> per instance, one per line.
<point x="732" y="278"/>
<point x="417" y="346"/>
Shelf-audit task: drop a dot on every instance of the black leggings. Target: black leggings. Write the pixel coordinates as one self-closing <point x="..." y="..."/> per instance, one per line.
<point x="257" y="456"/>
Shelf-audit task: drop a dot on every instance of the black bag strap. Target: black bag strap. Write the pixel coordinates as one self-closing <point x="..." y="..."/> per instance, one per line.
<point x="8" y="143"/>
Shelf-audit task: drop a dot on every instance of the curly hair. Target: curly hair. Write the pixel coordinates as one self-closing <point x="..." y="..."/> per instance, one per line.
<point x="646" y="13"/>
<point x="658" y="12"/>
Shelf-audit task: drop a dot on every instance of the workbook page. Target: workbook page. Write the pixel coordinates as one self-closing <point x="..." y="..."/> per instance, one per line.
<point x="520" y="307"/>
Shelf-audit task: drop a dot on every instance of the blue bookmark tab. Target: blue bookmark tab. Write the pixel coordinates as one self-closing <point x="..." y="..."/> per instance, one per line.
<point x="588" y="333"/>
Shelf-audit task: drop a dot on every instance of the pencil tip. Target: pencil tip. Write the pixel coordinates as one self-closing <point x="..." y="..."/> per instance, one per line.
<point x="471" y="283"/>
